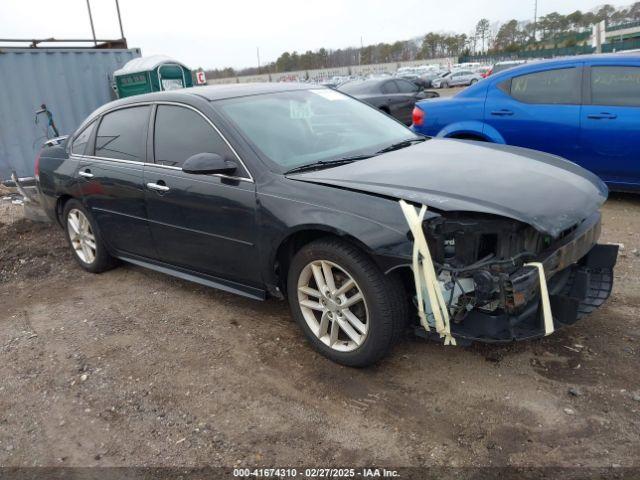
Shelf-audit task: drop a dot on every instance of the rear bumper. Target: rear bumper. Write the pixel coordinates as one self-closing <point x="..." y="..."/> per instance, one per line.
<point x="574" y="292"/>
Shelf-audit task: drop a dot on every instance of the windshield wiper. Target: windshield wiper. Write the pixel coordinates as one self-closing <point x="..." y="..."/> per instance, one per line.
<point x="327" y="164"/>
<point x="403" y="144"/>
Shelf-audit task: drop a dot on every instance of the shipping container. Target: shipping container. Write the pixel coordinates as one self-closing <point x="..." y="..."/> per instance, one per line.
<point x="47" y="92"/>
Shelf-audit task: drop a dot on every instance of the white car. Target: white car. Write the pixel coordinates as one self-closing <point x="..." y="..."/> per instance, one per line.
<point x="456" y="79"/>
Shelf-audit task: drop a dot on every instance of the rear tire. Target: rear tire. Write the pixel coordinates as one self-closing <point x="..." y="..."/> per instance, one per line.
<point x="348" y="309"/>
<point x="84" y="238"/>
<point x="473" y="81"/>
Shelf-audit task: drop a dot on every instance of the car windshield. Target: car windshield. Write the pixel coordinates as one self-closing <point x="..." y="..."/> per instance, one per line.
<point x="303" y="127"/>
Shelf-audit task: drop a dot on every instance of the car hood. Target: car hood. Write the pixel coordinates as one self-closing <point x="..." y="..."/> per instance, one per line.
<point x="547" y="192"/>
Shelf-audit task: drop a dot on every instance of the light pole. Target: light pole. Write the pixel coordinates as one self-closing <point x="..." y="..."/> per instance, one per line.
<point x="258" y="52"/>
<point x="535" y="19"/>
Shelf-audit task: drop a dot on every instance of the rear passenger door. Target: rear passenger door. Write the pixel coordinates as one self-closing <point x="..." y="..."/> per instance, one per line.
<point x="610" y="123"/>
<point x="110" y="179"/>
<point x="538" y="110"/>
<point x="200" y="223"/>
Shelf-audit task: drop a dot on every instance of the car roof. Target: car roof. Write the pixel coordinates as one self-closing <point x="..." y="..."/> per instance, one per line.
<point x="219" y="92"/>
<point x="208" y="92"/>
<point x="591" y="59"/>
<point x="360" y="86"/>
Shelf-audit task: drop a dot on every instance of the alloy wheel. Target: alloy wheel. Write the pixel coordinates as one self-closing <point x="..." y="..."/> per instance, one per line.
<point x="333" y="305"/>
<point x="83" y="240"/>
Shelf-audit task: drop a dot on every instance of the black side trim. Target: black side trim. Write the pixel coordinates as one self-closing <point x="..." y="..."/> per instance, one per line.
<point x="193" y="230"/>
<point x="206" y="280"/>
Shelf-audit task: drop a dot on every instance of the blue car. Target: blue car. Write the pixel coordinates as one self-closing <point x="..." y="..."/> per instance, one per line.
<point x="585" y="109"/>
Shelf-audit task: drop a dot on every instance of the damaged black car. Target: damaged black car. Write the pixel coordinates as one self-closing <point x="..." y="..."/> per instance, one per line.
<point x="303" y="193"/>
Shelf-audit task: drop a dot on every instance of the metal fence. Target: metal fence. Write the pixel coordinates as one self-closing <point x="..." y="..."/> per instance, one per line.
<point x="70" y="82"/>
<point x="554" y="52"/>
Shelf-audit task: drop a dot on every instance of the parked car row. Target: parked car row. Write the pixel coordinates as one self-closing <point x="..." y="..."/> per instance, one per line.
<point x="585" y="109"/>
<point x="302" y="192"/>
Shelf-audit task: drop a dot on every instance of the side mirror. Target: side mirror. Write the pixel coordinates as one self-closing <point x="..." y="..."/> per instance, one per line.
<point x="207" y="163"/>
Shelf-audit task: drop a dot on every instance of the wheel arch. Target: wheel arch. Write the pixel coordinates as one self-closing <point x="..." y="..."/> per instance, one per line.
<point x="59" y="208"/>
<point x="299" y="237"/>
<point x="467" y="129"/>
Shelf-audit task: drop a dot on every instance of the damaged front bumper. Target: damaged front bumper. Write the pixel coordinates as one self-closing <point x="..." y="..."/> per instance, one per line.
<point x="574" y="292"/>
<point x="579" y="278"/>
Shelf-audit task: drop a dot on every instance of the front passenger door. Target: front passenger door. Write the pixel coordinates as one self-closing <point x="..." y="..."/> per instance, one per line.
<point x="200" y="223"/>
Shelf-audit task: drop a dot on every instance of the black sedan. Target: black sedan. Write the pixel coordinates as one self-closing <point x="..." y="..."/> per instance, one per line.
<point x="301" y="192"/>
<point x="394" y="96"/>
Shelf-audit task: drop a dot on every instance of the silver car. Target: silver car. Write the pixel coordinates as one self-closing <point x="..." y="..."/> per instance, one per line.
<point x="456" y="79"/>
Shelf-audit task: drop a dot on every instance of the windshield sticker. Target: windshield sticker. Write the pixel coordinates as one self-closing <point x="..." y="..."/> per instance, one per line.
<point x="329" y="94"/>
<point x="298" y="110"/>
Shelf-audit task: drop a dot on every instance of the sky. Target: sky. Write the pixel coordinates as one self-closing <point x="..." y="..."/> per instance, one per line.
<point x="217" y="33"/>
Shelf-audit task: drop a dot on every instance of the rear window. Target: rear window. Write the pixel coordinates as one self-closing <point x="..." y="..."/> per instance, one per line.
<point x="123" y="134"/>
<point x="560" y="86"/>
<point x="615" y="86"/>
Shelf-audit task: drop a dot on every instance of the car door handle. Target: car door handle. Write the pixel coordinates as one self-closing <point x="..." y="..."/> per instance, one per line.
<point x="602" y="116"/>
<point x="157" y="187"/>
<point x="502" y="113"/>
<point x="85" y="173"/>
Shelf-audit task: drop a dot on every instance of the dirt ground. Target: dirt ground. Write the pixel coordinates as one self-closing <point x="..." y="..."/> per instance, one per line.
<point x="132" y="367"/>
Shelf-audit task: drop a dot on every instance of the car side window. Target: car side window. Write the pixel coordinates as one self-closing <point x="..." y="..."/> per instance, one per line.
<point x="180" y="133"/>
<point x="79" y="145"/>
<point x="389" y="87"/>
<point x="406" y="87"/>
<point x="616" y="86"/>
<point x="559" y="86"/>
<point x="122" y="134"/>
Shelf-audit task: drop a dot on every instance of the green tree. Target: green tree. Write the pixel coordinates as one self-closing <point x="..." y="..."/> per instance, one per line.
<point x="482" y="30"/>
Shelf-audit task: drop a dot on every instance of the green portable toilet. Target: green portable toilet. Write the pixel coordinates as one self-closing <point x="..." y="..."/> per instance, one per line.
<point x="151" y="74"/>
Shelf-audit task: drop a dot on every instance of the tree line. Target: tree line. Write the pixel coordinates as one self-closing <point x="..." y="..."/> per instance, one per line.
<point x="549" y="31"/>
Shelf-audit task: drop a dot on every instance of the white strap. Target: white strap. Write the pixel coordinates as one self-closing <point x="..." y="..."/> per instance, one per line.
<point x="424" y="275"/>
<point x="544" y="297"/>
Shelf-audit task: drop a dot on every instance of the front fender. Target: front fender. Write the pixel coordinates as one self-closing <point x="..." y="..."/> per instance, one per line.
<point x="379" y="228"/>
<point x="472" y="127"/>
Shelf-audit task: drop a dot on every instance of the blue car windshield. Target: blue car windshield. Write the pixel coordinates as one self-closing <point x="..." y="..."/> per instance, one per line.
<point x="301" y="127"/>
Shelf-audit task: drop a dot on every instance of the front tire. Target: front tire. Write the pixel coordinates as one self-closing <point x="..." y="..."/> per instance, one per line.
<point x="84" y="239"/>
<point x="347" y="308"/>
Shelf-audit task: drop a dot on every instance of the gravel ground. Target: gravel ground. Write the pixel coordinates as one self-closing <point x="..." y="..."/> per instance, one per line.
<point x="134" y="368"/>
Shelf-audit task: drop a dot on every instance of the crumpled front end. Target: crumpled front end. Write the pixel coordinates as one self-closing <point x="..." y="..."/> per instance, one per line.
<point x="493" y="293"/>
